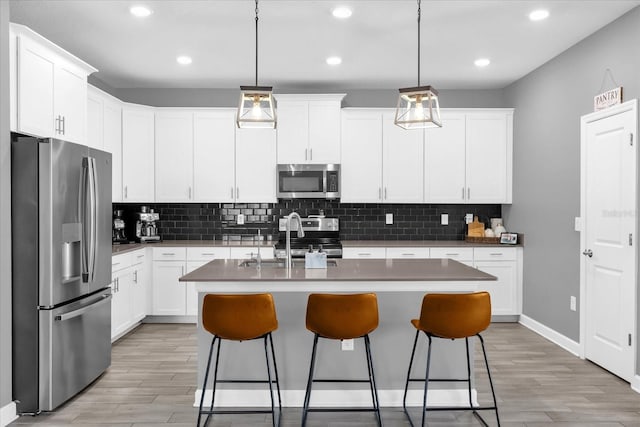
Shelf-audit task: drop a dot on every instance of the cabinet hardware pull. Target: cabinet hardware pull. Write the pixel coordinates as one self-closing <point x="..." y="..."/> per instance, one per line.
<point x="305" y="155"/>
<point x="231" y="192"/>
<point x="380" y="193"/>
<point x="310" y="153"/>
<point x="452" y="254"/>
<point x="468" y="193"/>
<point x="135" y="276"/>
<point x="462" y="193"/>
<point x="208" y="253"/>
<point x="385" y="193"/>
<point x="364" y="254"/>
<point x="140" y="256"/>
<point x="126" y="193"/>
<point x="237" y="193"/>
<point x="63" y="126"/>
<point x="189" y="193"/>
<point x="113" y="264"/>
<point x="496" y="254"/>
<point x="408" y="254"/>
<point x="169" y="253"/>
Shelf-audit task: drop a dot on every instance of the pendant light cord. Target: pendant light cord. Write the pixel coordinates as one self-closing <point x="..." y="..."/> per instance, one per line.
<point x="419" y="16"/>
<point x="256" y="42"/>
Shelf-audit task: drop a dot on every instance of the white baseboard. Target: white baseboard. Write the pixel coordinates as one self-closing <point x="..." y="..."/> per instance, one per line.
<point x="635" y="383"/>
<point x="8" y="414"/>
<point x="337" y="398"/>
<point x="553" y="336"/>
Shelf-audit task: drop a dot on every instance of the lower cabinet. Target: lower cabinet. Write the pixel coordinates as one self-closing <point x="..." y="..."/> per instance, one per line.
<point x="364" y="253"/>
<point x="129" y="292"/>
<point x="506" y="291"/>
<point x="168" y="292"/>
<point x="139" y="288"/>
<point x="121" y="289"/>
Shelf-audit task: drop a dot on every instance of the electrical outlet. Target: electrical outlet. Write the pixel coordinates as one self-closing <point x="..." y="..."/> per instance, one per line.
<point x="468" y="218"/>
<point x="572" y="303"/>
<point x="389" y="219"/>
<point x="347" y="345"/>
<point x="240" y="219"/>
<point x="444" y="219"/>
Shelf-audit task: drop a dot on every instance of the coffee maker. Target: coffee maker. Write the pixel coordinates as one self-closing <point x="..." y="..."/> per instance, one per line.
<point x="118" y="234"/>
<point x="146" y="228"/>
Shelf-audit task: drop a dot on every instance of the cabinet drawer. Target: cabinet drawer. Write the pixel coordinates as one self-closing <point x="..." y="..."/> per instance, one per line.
<point x="120" y="262"/>
<point x="169" y="254"/>
<point x="364" y="253"/>
<point x="138" y="257"/>
<point x="207" y="253"/>
<point x="409" y="253"/>
<point x="266" y="252"/>
<point x="494" y="254"/>
<point x="459" y="254"/>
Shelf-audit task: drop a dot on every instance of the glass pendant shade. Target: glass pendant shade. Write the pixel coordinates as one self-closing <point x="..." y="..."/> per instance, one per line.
<point x="418" y="108"/>
<point x="256" y="108"/>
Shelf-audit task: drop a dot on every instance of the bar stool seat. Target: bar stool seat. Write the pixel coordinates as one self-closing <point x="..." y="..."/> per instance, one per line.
<point x="452" y="316"/>
<point x="341" y="317"/>
<point x="240" y="318"/>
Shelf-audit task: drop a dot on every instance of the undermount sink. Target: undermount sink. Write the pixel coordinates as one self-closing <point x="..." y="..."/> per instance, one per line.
<point x="279" y="263"/>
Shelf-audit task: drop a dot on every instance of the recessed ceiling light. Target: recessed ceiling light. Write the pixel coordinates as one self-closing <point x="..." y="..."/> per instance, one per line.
<point x="184" y="60"/>
<point x="342" y="12"/>
<point x="334" y="60"/>
<point x="140" y="11"/>
<point x="539" y="15"/>
<point x="482" y="62"/>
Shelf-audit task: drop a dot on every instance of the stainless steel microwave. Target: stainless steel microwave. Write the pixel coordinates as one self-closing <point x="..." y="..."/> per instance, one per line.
<point x="309" y="181"/>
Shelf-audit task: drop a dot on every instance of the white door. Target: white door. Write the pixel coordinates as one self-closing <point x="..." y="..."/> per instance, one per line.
<point x="256" y="165"/>
<point x="608" y="178"/>
<point x="444" y="172"/>
<point x="112" y="125"/>
<point x="137" y="154"/>
<point x="95" y="120"/>
<point x="139" y="294"/>
<point x="174" y="156"/>
<point x="70" y="102"/>
<point x="324" y="132"/>
<point x="168" y="293"/>
<point x="293" y="132"/>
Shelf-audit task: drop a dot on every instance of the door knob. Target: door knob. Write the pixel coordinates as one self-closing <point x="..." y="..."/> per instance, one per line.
<point x="588" y="253"/>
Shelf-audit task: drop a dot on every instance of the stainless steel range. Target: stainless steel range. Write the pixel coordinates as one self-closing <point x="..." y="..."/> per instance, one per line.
<point x="319" y="233"/>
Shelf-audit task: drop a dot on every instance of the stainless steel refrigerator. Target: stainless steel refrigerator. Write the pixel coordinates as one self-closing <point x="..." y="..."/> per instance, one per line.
<point x="61" y="240"/>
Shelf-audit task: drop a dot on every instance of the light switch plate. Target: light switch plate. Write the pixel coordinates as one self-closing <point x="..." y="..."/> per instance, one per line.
<point x="389" y="219"/>
<point x="572" y="303"/>
<point x="468" y="218"/>
<point x="444" y="219"/>
<point x="240" y="219"/>
<point x="577" y="223"/>
<point x="347" y="345"/>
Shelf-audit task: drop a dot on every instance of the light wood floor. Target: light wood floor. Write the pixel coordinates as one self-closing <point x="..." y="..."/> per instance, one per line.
<point x="151" y="382"/>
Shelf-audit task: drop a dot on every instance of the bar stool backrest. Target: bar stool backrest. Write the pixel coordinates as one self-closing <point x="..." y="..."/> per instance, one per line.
<point x="342" y="316"/>
<point x="455" y="315"/>
<point x="239" y="317"/>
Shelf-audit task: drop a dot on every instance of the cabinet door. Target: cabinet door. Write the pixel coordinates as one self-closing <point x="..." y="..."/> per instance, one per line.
<point x="503" y="291"/>
<point x="214" y="139"/>
<point x="403" y="163"/>
<point x="95" y="120"/>
<point x="256" y="165"/>
<point x="293" y="132"/>
<point x="408" y="253"/>
<point x="35" y="80"/>
<point x="248" y="252"/>
<point x="361" y="169"/>
<point x="486" y="158"/>
<point x="324" y="132"/>
<point x="191" y="293"/>
<point x="112" y="123"/>
<point x="70" y="102"/>
<point x="139" y="293"/>
<point x="444" y="172"/>
<point x="137" y="154"/>
<point x="364" y="253"/>
<point x="121" y="303"/>
<point x="174" y="156"/>
<point x="168" y="293"/>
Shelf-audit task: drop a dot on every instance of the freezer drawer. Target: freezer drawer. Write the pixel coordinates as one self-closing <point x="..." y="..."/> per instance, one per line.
<point x="75" y="347"/>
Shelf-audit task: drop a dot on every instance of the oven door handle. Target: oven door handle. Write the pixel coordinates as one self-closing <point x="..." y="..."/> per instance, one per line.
<point x="83" y="310"/>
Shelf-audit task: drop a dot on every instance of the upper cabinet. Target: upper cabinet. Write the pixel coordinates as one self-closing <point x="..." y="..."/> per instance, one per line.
<point x="137" y="153"/>
<point x="308" y="129"/>
<point x="255" y="166"/>
<point x="469" y="159"/>
<point x="174" y="156"/>
<point x="49" y="88"/>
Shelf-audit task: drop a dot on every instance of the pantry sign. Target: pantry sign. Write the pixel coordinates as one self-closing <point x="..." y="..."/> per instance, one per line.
<point x="607" y="99"/>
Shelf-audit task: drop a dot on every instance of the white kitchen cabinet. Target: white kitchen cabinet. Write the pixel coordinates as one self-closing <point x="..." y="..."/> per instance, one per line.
<point x="408" y="253"/>
<point x="506" y="291"/>
<point x="50" y="94"/>
<point x="256" y="169"/>
<point x="381" y="163"/>
<point x="137" y="153"/>
<point x="104" y="132"/>
<point x="248" y="252"/>
<point x="361" y="167"/>
<point x="140" y="287"/>
<point x="469" y="159"/>
<point x="173" y="156"/>
<point x="120" y="294"/>
<point x="196" y="258"/>
<point x="364" y="253"/>
<point x="463" y="255"/>
<point x="214" y="140"/>
<point x="168" y="292"/>
<point x="309" y="128"/>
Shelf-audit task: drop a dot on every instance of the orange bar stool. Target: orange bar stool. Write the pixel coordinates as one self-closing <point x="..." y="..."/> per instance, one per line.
<point x="452" y="316"/>
<point x="240" y="318"/>
<point x="342" y="317"/>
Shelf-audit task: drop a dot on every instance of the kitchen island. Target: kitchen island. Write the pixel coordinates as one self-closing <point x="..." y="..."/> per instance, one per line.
<point x="400" y="285"/>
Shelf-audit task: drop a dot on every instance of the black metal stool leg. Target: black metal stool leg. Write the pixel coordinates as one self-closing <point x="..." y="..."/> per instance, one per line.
<point x="215" y="381"/>
<point x="426" y="381"/>
<point x="273" y="408"/>
<point x="372" y="380"/>
<point x="206" y="377"/>
<point x="406" y="386"/>
<point x="486" y="363"/>
<point x="466" y="342"/>
<point x="307" y="395"/>
<point x="275" y="369"/>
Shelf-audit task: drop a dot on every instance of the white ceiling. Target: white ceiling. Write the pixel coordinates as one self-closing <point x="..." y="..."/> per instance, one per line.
<point x="378" y="43"/>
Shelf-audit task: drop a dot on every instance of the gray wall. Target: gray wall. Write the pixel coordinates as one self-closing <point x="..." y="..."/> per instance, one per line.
<point x="548" y="104"/>
<point x="5" y="212"/>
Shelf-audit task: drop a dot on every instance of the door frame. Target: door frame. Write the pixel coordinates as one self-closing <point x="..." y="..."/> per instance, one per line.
<point x="631" y="105"/>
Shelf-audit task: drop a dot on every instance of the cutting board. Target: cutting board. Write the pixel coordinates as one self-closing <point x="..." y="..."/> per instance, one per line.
<point x="475" y="228"/>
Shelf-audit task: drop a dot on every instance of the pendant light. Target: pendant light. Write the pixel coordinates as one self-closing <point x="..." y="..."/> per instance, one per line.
<point x="418" y="106"/>
<point x="256" y="102"/>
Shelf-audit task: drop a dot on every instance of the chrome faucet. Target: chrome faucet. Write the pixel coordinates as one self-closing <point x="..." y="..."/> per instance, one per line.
<point x="288" y="230"/>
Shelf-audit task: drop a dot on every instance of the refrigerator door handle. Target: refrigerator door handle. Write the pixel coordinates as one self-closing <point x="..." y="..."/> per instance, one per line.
<point x="83" y="218"/>
<point x="89" y="213"/>
<point x="93" y="214"/>
<point x="83" y="310"/>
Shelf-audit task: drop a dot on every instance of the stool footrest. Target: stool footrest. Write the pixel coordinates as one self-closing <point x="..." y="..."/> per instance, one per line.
<point x="245" y="381"/>
<point x="340" y="381"/>
<point x="440" y="380"/>
<point x="227" y="411"/>
<point x="342" y="410"/>
<point x="461" y="408"/>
